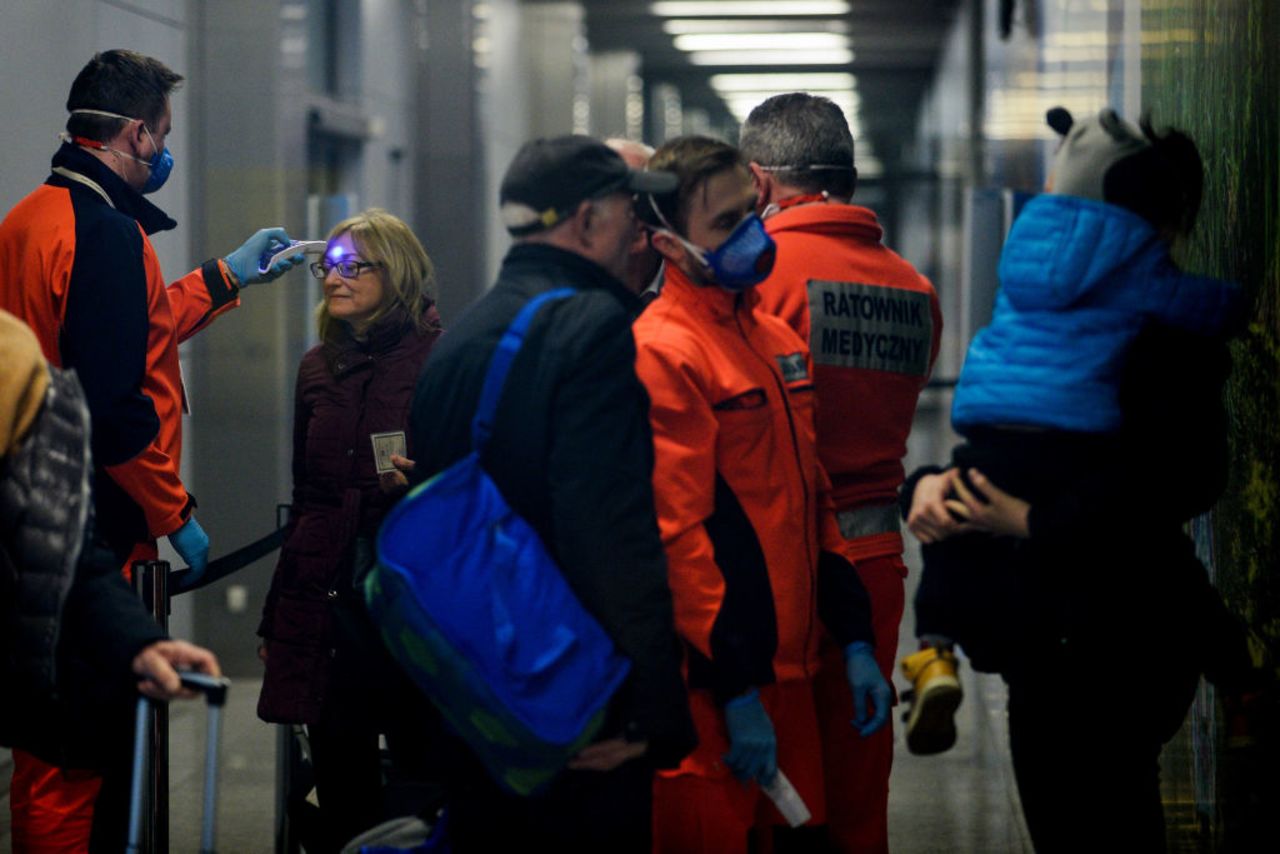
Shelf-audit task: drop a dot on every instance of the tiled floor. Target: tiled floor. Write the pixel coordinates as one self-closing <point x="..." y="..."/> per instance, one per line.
<point x="963" y="800"/>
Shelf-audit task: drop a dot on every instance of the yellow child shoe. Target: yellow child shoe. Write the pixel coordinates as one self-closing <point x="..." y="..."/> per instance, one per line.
<point x="931" y="727"/>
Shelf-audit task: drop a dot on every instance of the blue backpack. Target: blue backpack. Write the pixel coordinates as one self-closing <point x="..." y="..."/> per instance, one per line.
<point x="478" y="614"/>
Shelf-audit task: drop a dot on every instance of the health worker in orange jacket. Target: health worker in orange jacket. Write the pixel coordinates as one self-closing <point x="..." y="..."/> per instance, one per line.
<point x="744" y="514"/>
<point x="873" y="326"/>
<point x="78" y="267"/>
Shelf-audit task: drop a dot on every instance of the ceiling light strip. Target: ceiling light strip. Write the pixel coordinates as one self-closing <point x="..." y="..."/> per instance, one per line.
<point x="771" y="57"/>
<point x="748" y="8"/>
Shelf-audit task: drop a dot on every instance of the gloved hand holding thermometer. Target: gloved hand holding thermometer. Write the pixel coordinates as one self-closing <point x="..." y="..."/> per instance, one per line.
<point x="249" y="265"/>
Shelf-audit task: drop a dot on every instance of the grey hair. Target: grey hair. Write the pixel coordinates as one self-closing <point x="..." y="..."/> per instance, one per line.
<point x="803" y="138"/>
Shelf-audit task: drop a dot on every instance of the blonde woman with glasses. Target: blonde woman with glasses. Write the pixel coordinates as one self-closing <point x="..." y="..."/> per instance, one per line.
<point x="325" y="665"/>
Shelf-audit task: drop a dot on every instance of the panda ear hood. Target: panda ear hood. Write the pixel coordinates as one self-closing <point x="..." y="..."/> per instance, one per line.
<point x="1090" y="148"/>
<point x="1060" y="120"/>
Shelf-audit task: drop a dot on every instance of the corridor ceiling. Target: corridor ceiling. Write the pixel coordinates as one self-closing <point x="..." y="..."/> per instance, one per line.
<point x="894" y="47"/>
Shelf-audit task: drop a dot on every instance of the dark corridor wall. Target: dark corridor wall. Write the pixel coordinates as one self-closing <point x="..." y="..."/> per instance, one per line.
<point x="1211" y="68"/>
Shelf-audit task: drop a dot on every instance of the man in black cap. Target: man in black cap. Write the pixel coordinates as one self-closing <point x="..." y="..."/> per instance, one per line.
<point x="572" y="453"/>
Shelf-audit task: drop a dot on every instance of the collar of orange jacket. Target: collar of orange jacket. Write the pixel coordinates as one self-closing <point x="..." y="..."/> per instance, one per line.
<point x="712" y="300"/>
<point x="830" y="218"/>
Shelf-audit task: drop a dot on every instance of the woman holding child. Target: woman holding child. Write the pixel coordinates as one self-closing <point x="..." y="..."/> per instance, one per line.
<point x="1053" y="548"/>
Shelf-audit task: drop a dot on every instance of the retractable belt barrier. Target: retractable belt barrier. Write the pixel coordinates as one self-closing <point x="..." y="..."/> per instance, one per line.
<point x="182" y="581"/>
<point x="156" y="583"/>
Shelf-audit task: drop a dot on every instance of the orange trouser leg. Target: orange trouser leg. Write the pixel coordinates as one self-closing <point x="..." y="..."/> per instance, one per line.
<point x="698" y="815"/>
<point x="857" y="769"/>
<point x="51" y="808"/>
<point x="702" y="809"/>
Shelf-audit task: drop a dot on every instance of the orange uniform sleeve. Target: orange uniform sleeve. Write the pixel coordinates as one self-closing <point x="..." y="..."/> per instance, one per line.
<point x="151" y="479"/>
<point x="200" y="296"/>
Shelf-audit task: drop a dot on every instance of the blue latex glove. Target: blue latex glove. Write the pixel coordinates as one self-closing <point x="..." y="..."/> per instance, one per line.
<point x="245" y="260"/>
<point x="753" y="748"/>
<point x="869" y="686"/>
<point x="192" y="543"/>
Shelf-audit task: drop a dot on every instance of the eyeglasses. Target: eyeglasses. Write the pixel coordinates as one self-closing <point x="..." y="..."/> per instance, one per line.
<point x="346" y="269"/>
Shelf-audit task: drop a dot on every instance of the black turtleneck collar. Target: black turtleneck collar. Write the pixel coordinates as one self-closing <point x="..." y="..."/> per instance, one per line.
<point x="126" y="199"/>
<point x="578" y="272"/>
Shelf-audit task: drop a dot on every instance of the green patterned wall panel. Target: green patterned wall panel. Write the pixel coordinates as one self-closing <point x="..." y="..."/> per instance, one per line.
<point x="1210" y="67"/>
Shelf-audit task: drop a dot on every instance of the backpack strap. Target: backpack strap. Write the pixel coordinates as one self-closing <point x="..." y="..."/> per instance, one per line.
<point x="500" y="363"/>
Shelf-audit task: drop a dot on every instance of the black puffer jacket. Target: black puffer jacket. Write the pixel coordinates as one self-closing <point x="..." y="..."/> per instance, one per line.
<point x="572" y="453"/>
<point x="70" y="625"/>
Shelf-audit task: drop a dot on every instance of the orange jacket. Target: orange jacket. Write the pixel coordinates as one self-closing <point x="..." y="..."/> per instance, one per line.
<point x="739" y="489"/>
<point x="77" y="266"/>
<point x="873" y="325"/>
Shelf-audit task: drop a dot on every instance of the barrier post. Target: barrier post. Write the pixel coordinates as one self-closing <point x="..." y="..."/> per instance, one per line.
<point x="151" y="578"/>
<point x="154" y="582"/>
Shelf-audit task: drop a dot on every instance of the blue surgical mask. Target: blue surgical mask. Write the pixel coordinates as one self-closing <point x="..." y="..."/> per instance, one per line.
<point x="161" y="165"/>
<point x="743" y="260"/>
<point x="161" y="162"/>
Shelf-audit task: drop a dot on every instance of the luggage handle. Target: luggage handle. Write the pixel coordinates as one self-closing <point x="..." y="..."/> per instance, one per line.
<point x="215" y="691"/>
<point x="214" y="688"/>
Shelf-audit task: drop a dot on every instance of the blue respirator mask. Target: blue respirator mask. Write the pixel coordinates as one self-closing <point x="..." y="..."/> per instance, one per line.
<point x="160" y="164"/>
<point x="743" y="260"/>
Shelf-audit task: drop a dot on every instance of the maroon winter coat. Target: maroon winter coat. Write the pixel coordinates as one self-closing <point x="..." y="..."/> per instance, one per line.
<point x="346" y="392"/>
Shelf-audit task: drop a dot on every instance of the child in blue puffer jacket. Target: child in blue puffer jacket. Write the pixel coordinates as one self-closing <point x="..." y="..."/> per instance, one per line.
<point x="1094" y="396"/>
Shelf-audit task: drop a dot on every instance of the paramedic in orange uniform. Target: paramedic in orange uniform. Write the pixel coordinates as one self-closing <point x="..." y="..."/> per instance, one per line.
<point x="77" y="266"/>
<point x="873" y="325"/>
<point x="744" y="515"/>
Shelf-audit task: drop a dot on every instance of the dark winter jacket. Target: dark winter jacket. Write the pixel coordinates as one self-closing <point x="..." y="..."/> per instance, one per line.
<point x="1079" y="280"/>
<point x="571" y="451"/>
<point x="1170" y="462"/>
<point x="1166" y="465"/>
<point x="1107" y="565"/>
<point x="69" y="625"/>
<point x="346" y="392"/>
